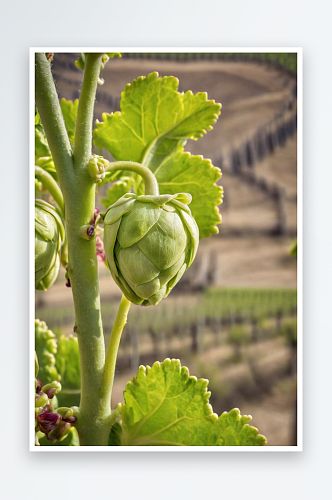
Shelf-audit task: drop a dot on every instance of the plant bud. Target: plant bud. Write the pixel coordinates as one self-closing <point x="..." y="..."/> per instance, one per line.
<point x="52" y="389"/>
<point x="49" y="232"/>
<point x="96" y="169"/>
<point x="87" y="232"/>
<point x="48" y="421"/>
<point x="59" y="432"/>
<point x="38" y="385"/>
<point x="41" y="400"/>
<point x="149" y="242"/>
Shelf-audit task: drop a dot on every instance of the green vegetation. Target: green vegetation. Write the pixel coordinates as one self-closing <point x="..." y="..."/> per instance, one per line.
<point x="282" y="60"/>
<point x="225" y="303"/>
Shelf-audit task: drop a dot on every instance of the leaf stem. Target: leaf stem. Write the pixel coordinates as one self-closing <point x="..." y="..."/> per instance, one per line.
<point x="51" y="185"/>
<point x="150" y="181"/>
<point x="113" y="346"/>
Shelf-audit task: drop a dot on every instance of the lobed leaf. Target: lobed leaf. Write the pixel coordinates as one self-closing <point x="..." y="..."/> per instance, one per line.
<point x="164" y="406"/>
<point x="184" y="173"/>
<point x="154" y="119"/>
<point x="153" y="126"/>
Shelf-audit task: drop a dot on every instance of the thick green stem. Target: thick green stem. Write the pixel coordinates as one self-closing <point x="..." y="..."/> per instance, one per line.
<point x="78" y="188"/>
<point x="93" y="425"/>
<point x="49" y="183"/>
<point x="150" y="181"/>
<point x="51" y="117"/>
<point x="113" y="346"/>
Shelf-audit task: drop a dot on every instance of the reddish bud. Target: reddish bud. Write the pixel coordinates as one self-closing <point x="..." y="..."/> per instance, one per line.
<point x="48" y="421"/>
<point x="51" y="392"/>
<point x="58" y="432"/>
<point x="70" y="419"/>
<point x="38" y="386"/>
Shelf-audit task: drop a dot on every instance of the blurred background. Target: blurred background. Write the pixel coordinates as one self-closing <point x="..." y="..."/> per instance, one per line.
<point x="232" y="317"/>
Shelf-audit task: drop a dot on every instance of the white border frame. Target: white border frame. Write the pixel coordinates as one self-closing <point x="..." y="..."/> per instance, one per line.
<point x="259" y="449"/>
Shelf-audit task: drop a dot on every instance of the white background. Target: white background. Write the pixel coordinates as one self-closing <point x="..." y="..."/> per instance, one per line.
<point x="156" y="24"/>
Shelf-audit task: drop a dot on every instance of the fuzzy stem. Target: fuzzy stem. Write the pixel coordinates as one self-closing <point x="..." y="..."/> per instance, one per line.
<point x="83" y="126"/>
<point x="51" y="117"/>
<point x="78" y="188"/>
<point x="113" y="346"/>
<point x="150" y="181"/>
<point x="50" y="184"/>
<point x="93" y="425"/>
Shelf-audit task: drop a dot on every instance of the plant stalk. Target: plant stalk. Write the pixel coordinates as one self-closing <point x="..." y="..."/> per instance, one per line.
<point x="113" y="346"/>
<point x="83" y="125"/>
<point x="50" y="113"/>
<point x="50" y="184"/>
<point x="93" y="424"/>
<point x="150" y="181"/>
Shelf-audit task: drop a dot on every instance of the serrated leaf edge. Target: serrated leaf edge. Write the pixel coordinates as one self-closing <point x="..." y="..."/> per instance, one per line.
<point x="208" y="410"/>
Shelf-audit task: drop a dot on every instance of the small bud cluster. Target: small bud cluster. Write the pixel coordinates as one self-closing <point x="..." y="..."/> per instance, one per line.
<point x="55" y="424"/>
<point x="96" y="168"/>
<point x="46" y="349"/>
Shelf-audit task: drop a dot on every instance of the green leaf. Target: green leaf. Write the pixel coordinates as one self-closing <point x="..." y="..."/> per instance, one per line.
<point x="37" y="117"/>
<point x="68" y="362"/>
<point x="69" y="111"/>
<point x="115" y="435"/>
<point x="41" y="144"/>
<point x="154" y="124"/>
<point x="154" y="119"/>
<point x="43" y="156"/>
<point x="184" y="173"/>
<point x="164" y="406"/>
<point x="118" y="189"/>
<point x="113" y="54"/>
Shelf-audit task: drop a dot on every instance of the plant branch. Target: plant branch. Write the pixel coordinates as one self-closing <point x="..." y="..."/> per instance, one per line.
<point x="50" y="184"/>
<point x="93" y="424"/>
<point x="83" y="126"/>
<point x="113" y="346"/>
<point x="150" y="181"/>
<point x="51" y="117"/>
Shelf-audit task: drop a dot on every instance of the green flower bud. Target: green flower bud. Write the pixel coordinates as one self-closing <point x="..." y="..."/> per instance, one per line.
<point x="149" y="243"/>
<point x="96" y="168"/>
<point x="41" y="400"/>
<point x="49" y="232"/>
